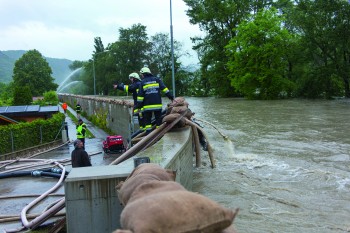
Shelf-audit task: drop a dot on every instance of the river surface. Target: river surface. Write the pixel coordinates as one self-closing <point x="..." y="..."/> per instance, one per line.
<point x="285" y="163"/>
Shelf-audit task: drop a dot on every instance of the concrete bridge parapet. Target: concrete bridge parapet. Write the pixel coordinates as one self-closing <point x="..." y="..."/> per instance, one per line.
<point x="92" y="203"/>
<point x="116" y="111"/>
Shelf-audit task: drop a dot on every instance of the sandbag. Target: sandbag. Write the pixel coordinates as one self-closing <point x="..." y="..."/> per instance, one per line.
<point x="179" y="101"/>
<point x="153" y="187"/>
<point x="176" y="211"/>
<point x="155" y="169"/>
<point x="122" y="231"/>
<point x="143" y="173"/>
<point x="178" y="109"/>
<point x="230" y="229"/>
<point x="170" y="118"/>
<point x="125" y="189"/>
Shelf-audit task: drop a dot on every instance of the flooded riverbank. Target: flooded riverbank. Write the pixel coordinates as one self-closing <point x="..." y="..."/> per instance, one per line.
<point x="285" y="164"/>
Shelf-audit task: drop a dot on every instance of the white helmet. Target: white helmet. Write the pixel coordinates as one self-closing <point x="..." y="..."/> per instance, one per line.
<point x="145" y="70"/>
<point x="134" y="75"/>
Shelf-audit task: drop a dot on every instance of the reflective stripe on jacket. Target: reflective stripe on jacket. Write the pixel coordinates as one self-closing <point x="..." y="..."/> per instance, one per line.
<point x="81" y="130"/>
<point x="132" y="88"/>
<point x="149" y="96"/>
<point x="78" y="108"/>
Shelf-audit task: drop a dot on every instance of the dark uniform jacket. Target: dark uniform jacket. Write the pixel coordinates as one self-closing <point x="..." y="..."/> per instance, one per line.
<point x="80" y="158"/>
<point x="132" y="88"/>
<point x="149" y="97"/>
<point x="78" y="108"/>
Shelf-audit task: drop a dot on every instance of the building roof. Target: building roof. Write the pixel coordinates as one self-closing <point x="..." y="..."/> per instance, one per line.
<point x="28" y="109"/>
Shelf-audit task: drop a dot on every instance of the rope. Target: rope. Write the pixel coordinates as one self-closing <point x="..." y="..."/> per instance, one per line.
<point x="212" y="125"/>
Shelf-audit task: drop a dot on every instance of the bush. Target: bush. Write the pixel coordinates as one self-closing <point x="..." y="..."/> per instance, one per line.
<point x="24" y="135"/>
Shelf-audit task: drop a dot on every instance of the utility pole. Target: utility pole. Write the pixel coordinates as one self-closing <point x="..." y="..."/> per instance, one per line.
<point x="172" y="50"/>
<point x="93" y="68"/>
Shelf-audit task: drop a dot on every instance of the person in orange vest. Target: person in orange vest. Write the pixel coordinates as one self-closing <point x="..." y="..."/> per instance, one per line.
<point x="64" y="106"/>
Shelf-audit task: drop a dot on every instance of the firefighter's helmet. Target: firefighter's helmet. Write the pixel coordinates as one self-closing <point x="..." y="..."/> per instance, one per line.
<point x="134" y="75"/>
<point x="145" y="70"/>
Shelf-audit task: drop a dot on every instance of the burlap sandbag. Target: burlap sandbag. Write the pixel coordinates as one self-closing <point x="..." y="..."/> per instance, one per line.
<point x="171" y="117"/>
<point x="154" y="169"/>
<point x="179" y="101"/>
<point x="230" y="229"/>
<point x="122" y="231"/>
<point x="153" y="187"/>
<point x="177" y="211"/>
<point x="227" y="230"/>
<point x="143" y="173"/>
<point x="125" y="189"/>
<point x="179" y="109"/>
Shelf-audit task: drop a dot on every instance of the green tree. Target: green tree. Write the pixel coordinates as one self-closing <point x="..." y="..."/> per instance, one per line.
<point x="258" y="57"/>
<point x="22" y="95"/>
<point x="132" y="49"/>
<point x="6" y="94"/>
<point x="131" y="53"/>
<point x="217" y="19"/>
<point x="32" y="70"/>
<point x="94" y="70"/>
<point x="76" y="64"/>
<point x="325" y="30"/>
<point x="51" y="98"/>
<point x="160" y="56"/>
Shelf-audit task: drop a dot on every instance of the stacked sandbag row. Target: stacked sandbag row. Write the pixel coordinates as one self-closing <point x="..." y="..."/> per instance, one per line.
<point x="177" y="108"/>
<point x="154" y="202"/>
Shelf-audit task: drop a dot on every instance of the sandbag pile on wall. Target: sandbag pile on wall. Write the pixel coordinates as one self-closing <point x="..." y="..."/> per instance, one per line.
<point x="177" y="108"/>
<point x="155" y="203"/>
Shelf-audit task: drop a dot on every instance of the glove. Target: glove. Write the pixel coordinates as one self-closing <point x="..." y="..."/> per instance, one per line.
<point x="136" y="111"/>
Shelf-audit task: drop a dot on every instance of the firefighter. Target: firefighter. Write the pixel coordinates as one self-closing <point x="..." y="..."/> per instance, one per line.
<point x="149" y="98"/>
<point x="65" y="106"/>
<point x="81" y="131"/>
<point x="78" y="110"/>
<point x="133" y="88"/>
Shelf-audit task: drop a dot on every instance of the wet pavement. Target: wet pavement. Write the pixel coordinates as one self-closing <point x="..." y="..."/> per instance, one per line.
<point x="12" y="189"/>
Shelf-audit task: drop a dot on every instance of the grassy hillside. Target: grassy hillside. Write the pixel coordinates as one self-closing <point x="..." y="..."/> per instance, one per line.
<point x="60" y="67"/>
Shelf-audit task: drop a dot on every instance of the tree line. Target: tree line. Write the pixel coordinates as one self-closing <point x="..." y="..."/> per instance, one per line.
<point x="263" y="49"/>
<point x="273" y="49"/>
<point x="254" y="49"/>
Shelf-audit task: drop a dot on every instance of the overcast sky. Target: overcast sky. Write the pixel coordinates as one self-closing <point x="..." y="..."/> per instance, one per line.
<point x="67" y="28"/>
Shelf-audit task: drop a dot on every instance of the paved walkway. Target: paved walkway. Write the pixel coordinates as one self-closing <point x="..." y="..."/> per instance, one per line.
<point x="97" y="132"/>
<point x="92" y="145"/>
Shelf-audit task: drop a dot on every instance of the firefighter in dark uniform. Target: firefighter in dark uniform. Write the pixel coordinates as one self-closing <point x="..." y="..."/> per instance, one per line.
<point x="78" y="110"/>
<point x="149" y="98"/>
<point x="133" y="88"/>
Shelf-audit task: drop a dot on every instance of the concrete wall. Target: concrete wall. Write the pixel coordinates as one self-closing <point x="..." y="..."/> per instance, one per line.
<point x="116" y="111"/>
<point x="92" y="203"/>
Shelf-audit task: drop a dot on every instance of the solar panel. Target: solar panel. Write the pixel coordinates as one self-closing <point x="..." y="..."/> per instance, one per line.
<point x="12" y="109"/>
<point x="3" y="109"/>
<point x="33" y="108"/>
<point x="49" y="109"/>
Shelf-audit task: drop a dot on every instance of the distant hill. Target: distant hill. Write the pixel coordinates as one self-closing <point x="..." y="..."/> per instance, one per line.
<point x="60" y="67"/>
